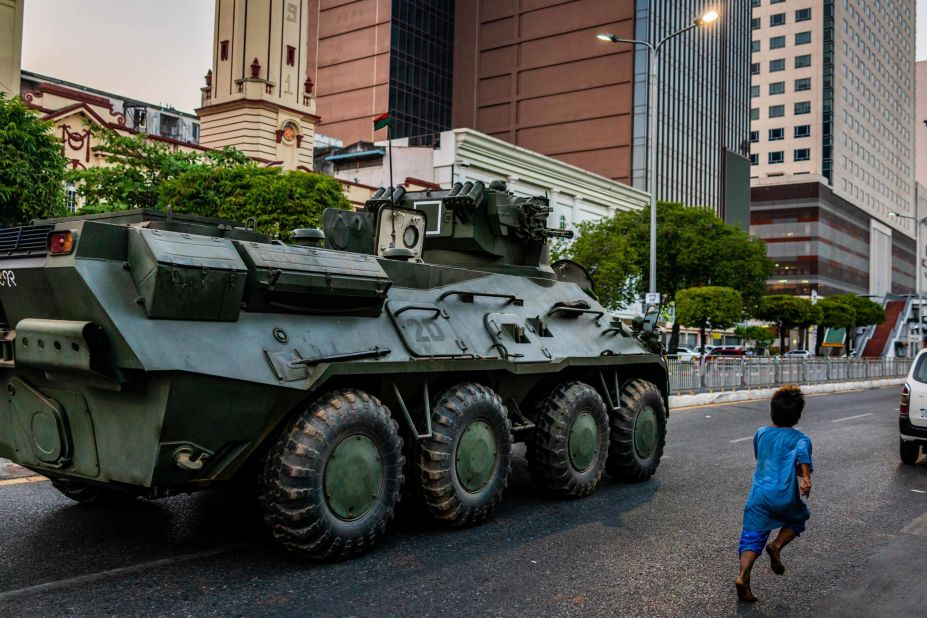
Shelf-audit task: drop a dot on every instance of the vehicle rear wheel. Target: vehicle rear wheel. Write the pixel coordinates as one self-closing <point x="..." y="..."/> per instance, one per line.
<point x="570" y="444"/>
<point x="88" y="494"/>
<point x="638" y="432"/>
<point x="464" y="467"/>
<point x="332" y="481"/>
<point x="909" y="451"/>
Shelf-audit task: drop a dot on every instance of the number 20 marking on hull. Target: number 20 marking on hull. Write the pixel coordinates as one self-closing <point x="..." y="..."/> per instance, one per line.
<point x="7" y="279"/>
<point x="427" y="330"/>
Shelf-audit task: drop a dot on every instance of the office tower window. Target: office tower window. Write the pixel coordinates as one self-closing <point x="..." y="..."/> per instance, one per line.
<point x="777" y="20"/>
<point x="776" y="1"/>
<point x="776" y="157"/>
<point x="803" y="38"/>
<point x="803" y="61"/>
<point x="776" y="134"/>
<point x="802" y="84"/>
<point x="803" y="15"/>
<point x="755" y="68"/>
<point x="803" y="130"/>
<point x="421" y="69"/>
<point x="777" y="65"/>
<point x="755" y="113"/>
<point x="755" y="23"/>
<point x="777" y="88"/>
<point x="755" y="3"/>
<point x="754" y="91"/>
<point x="754" y="159"/>
<point x="777" y="42"/>
<point x="803" y="107"/>
<point x="754" y="46"/>
<point x="754" y="137"/>
<point x="776" y="111"/>
<point x="802" y="154"/>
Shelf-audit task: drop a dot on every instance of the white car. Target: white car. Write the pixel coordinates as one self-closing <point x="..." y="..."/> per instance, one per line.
<point x="912" y="417"/>
<point x="798" y="354"/>
<point x="685" y="354"/>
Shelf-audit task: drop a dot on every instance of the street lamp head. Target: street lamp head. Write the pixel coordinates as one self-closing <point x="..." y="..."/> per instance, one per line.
<point x="611" y="38"/>
<point x="707" y="18"/>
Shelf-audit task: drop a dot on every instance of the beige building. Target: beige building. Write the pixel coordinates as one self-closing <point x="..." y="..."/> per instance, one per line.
<point x="833" y="105"/>
<point x="258" y="95"/>
<point x="920" y="124"/>
<point x="11" y="37"/>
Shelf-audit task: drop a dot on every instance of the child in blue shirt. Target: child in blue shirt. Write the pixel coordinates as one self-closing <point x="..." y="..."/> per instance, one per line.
<point x="783" y="475"/>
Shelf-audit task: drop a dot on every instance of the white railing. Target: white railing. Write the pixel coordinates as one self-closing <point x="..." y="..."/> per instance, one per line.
<point x="729" y="374"/>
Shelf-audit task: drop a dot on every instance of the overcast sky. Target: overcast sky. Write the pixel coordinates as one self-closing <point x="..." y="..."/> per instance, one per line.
<point x="154" y="51"/>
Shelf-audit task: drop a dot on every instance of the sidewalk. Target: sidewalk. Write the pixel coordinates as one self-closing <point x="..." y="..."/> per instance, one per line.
<point x="9" y="470"/>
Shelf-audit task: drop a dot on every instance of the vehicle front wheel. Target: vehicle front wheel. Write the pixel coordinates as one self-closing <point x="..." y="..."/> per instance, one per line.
<point x="332" y="480"/>
<point x="909" y="451"/>
<point x="638" y="432"/>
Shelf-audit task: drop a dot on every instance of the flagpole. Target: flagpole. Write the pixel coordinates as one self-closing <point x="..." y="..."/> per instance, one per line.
<point x="390" y="142"/>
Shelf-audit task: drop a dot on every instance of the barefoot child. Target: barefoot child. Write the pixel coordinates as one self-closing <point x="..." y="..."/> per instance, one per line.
<point x="783" y="471"/>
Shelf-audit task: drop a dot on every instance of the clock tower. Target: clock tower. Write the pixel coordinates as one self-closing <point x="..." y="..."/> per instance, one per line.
<point x="258" y="95"/>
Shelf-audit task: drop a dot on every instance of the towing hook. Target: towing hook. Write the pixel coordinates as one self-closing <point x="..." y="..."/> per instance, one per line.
<point x="184" y="459"/>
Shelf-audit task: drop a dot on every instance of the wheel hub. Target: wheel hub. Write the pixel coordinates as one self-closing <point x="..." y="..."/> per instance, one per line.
<point x="354" y="477"/>
<point x="584" y="441"/>
<point x="476" y="456"/>
<point x="645" y="432"/>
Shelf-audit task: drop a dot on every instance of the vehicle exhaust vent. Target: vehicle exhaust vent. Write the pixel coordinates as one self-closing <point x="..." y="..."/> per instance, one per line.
<point x="25" y="239"/>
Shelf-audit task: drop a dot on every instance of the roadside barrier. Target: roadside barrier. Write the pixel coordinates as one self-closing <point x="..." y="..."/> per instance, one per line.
<point x="732" y="374"/>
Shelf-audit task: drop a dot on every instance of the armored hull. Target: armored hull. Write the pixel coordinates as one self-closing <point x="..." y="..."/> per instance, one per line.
<point x="146" y="355"/>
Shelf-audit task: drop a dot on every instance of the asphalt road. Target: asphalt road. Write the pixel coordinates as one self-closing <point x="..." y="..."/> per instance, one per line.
<point x="665" y="547"/>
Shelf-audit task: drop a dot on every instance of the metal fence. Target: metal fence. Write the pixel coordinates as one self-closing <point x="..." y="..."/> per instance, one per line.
<point x="731" y="374"/>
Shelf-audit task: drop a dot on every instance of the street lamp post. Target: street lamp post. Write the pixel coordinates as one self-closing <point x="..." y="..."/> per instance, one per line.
<point x="654" y="57"/>
<point x="917" y="270"/>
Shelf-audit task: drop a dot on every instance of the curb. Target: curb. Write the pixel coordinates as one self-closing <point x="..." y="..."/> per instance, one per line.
<point x="678" y="402"/>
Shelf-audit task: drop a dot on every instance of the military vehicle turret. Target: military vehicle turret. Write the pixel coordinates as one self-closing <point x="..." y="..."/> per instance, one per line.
<point x="146" y="353"/>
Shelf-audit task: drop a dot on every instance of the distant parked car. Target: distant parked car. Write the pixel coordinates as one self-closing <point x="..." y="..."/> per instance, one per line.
<point x="912" y="417"/>
<point x="725" y="351"/>
<point x="686" y="355"/>
<point x="798" y="354"/>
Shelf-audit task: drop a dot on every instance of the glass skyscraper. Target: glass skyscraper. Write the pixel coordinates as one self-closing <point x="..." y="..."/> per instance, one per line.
<point x="703" y="108"/>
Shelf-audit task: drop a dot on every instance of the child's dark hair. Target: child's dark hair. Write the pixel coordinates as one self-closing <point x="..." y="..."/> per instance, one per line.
<point x="786" y="405"/>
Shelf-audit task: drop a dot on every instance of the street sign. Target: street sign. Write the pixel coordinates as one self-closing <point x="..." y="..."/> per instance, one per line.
<point x="652" y="298"/>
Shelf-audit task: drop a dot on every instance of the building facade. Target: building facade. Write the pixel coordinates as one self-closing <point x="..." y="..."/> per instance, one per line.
<point x="11" y="37"/>
<point x="533" y="74"/>
<point x="258" y="95"/>
<point x="833" y="104"/>
<point x="703" y="105"/>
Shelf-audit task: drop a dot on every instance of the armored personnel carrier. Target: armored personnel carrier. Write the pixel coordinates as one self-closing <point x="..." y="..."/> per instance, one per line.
<point x="400" y="353"/>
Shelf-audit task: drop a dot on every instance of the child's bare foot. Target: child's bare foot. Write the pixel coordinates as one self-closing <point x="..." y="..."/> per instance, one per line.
<point x="743" y="591"/>
<point x="775" y="560"/>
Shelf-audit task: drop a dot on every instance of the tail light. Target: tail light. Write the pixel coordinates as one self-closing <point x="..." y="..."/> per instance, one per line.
<point x="60" y="243"/>
<point x="905" y="401"/>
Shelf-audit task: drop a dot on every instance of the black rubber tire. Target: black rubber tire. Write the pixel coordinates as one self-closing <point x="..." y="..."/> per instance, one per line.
<point x="549" y="457"/>
<point x="292" y="492"/>
<point x="445" y="498"/>
<point x="624" y="462"/>
<point x="91" y="495"/>
<point x="909" y="451"/>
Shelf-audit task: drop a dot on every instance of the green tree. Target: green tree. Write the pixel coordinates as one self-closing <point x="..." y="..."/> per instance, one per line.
<point x="711" y="306"/>
<point x="31" y="166"/>
<point x="603" y="247"/>
<point x="835" y="313"/>
<point x="760" y="336"/>
<point x="278" y="201"/>
<point x="786" y="312"/>
<point x="694" y="249"/>
<point x="867" y="313"/>
<point x="136" y="169"/>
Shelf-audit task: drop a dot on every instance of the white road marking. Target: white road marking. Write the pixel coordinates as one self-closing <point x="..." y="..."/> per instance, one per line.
<point x="22" y="479"/>
<point x="919" y="491"/>
<point x="740" y="440"/>
<point x="850" y="418"/>
<point x="135" y="568"/>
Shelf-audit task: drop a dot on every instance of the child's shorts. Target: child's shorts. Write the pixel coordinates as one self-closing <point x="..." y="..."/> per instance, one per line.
<point x="756" y="541"/>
